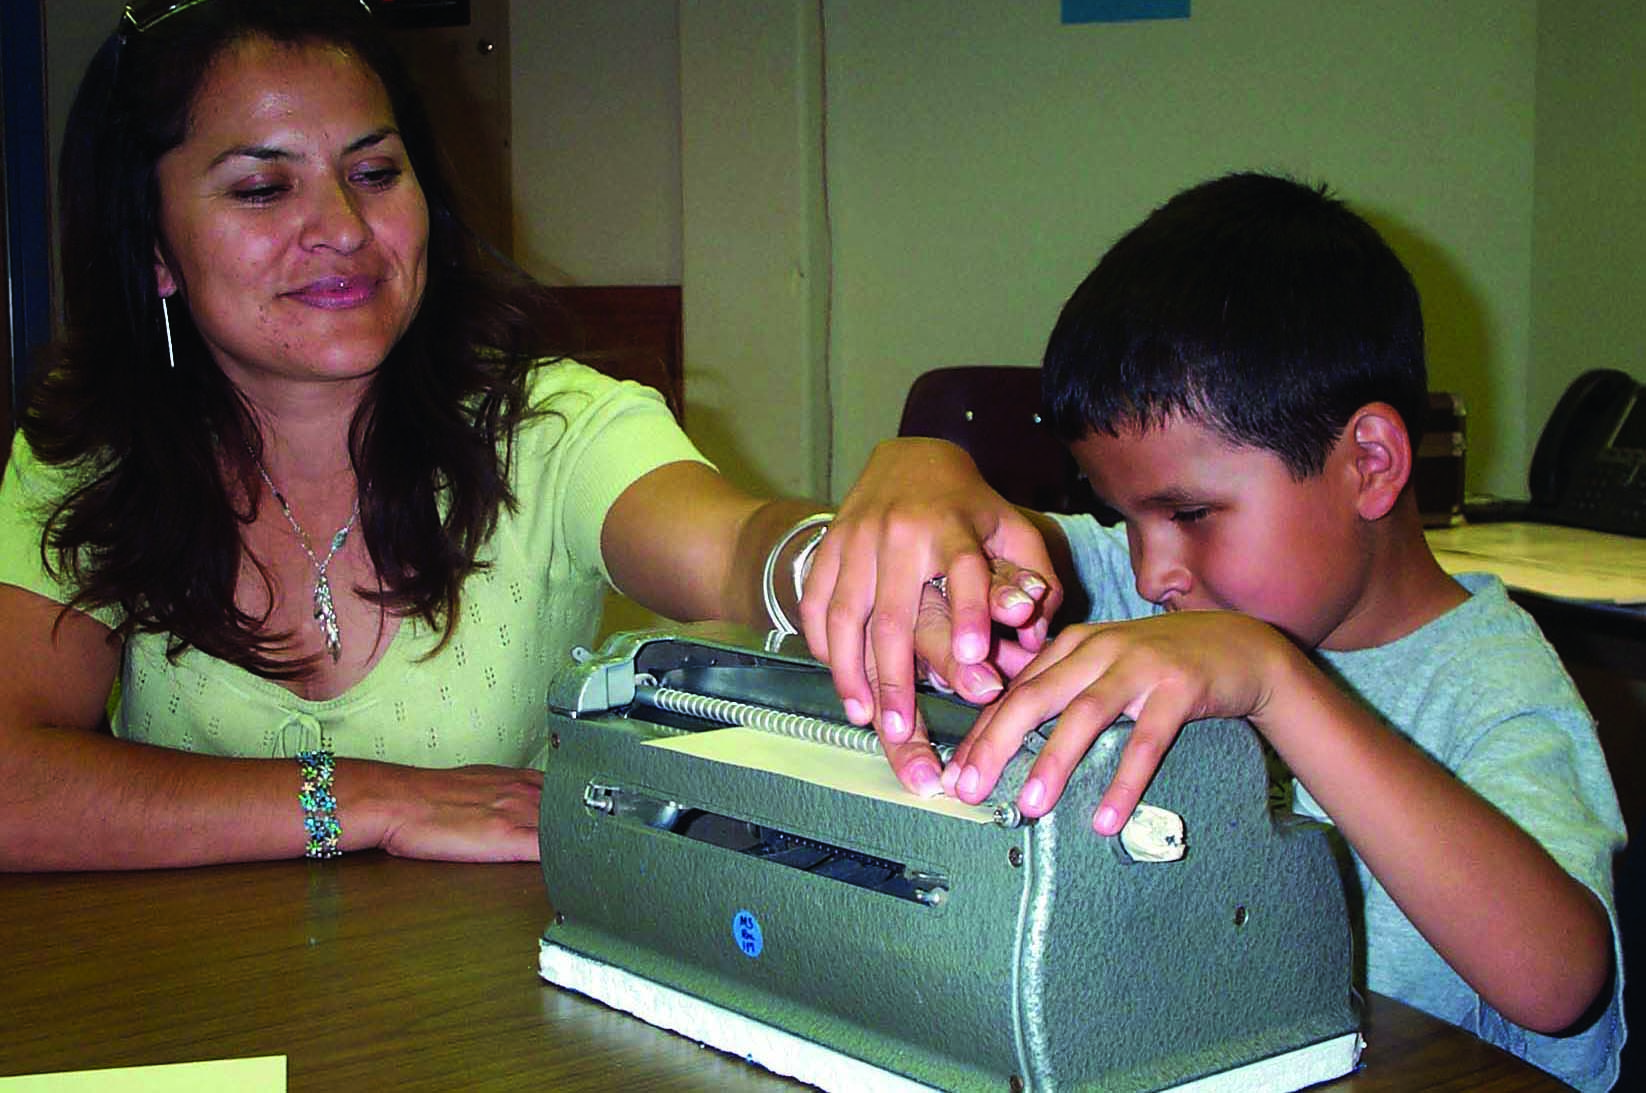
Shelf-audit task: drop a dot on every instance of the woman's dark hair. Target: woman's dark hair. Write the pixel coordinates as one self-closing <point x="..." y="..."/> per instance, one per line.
<point x="1254" y="305"/>
<point x="161" y="456"/>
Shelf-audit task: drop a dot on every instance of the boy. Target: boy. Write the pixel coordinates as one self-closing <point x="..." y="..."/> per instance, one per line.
<point x="1237" y="378"/>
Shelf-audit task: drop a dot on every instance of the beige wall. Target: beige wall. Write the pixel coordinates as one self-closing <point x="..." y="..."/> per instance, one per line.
<point x="1589" y="247"/>
<point x="756" y="243"/>
<point x="980" y="156"/>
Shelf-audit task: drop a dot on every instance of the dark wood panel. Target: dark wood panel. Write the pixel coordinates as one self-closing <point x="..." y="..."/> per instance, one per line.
<point x="629" y="331"/>
<point x="461" y="73"/>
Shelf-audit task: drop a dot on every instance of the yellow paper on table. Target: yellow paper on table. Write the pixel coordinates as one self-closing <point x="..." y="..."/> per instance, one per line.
<point x="266" y="1074"/>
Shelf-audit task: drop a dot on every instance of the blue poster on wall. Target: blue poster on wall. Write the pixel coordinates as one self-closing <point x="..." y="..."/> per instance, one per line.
<point x="1123" y="11"/>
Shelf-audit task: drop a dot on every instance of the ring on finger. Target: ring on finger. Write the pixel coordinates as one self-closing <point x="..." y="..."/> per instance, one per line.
<point x="941" y="583"/>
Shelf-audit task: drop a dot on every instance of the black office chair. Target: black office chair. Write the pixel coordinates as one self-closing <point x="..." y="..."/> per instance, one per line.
<point x="993" y="412"/>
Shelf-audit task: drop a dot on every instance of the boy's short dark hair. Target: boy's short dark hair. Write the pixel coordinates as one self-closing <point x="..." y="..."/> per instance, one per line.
<point x="1253" y="305"/>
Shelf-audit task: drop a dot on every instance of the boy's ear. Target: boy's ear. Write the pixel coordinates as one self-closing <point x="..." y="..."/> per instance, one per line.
<point x="1382" y="453"/>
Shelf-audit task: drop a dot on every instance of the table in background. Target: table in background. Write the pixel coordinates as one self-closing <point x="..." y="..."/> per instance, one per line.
<point x="371" y="972"/>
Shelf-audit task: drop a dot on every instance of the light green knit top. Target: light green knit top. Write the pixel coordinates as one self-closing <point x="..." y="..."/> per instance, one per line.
<point x="481" y="699"/>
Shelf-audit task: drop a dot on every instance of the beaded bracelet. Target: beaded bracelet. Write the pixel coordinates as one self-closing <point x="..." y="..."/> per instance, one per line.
<point x="319" y="806"/>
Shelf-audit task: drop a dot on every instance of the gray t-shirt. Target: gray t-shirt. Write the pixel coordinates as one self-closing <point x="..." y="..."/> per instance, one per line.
<point x="1481" y="691"/>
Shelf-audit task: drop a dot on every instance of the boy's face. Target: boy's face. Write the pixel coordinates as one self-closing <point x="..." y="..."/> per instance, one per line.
<point x="1218" y="527"/>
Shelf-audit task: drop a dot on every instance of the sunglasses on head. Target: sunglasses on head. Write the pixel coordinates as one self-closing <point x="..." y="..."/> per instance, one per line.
<point x="146" y="14"/>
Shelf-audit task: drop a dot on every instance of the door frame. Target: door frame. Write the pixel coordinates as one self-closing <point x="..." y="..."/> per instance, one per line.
<point x="24" y="194"/>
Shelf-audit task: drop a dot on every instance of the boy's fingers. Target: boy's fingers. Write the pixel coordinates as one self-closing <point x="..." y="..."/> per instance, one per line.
<point x="1023" y="600"/>
<point x="963" y="752"/>
<point x="1156" y="727"/>
<point x="978" y="683"/>
<point x="972" y="772"/>
<point x="1054" y="683"/>
<point x="957" y="760"/>
<point x="965" y="759"/>
<point x="1012" y="658"/>
<point x="1033" y="636"/>
<point x="1086" y="717"/>
<point x="1014" y="593"/>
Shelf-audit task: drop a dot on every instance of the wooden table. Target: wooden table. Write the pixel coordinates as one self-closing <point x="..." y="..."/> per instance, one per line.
<point x="370" y="972"/>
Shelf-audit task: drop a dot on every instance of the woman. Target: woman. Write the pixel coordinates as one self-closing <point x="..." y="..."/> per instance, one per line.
<point x="298" y="473"/>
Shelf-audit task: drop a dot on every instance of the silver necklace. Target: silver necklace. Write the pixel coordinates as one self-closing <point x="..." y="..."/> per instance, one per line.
<point x="325" y="610"/>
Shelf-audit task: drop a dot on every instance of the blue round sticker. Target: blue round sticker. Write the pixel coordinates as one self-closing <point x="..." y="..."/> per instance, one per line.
<point x="746" y="932"/>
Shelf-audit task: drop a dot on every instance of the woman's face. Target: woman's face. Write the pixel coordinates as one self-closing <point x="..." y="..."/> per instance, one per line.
<point x="291" y="222"/>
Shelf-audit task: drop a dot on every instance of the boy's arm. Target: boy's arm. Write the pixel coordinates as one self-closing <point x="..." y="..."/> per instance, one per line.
<point x="1523" y="933"/>
<point x="1534" y="943"/>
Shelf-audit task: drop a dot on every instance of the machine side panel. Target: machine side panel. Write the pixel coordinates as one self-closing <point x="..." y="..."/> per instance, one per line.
<point x="1164" y="972"/>
<point x="877" y="977"/>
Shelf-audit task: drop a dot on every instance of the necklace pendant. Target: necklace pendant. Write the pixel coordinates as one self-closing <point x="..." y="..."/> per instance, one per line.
<point x="325" y="613"/>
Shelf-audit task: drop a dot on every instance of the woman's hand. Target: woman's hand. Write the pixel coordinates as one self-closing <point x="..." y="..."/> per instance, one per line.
<point x="474" y="813"/>
<point x="72" y="796"/>
<point x="922" y="511"/>
<point x="919" y="511"/>
<point x="913" y="759"/>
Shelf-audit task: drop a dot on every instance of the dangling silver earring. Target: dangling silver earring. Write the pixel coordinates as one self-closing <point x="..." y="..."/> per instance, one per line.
<point x="165" y="318"/>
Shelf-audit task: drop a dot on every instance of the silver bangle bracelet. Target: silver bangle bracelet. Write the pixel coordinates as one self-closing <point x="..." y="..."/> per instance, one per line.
<point x="802" y="563"/>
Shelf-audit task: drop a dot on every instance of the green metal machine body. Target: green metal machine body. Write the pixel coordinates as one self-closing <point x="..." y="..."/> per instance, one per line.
<point x="963" y="955"/>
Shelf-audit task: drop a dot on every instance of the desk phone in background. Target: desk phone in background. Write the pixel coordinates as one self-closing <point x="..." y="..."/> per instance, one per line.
<point x="1589" y="469"/>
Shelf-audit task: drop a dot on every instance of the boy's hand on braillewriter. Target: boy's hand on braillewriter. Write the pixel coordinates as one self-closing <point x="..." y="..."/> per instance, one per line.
<point x="1161" y="672"/>
<point x="919" y="511"/>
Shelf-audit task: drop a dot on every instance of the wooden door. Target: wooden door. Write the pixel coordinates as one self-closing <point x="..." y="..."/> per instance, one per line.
<point x="462" y="74"/>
